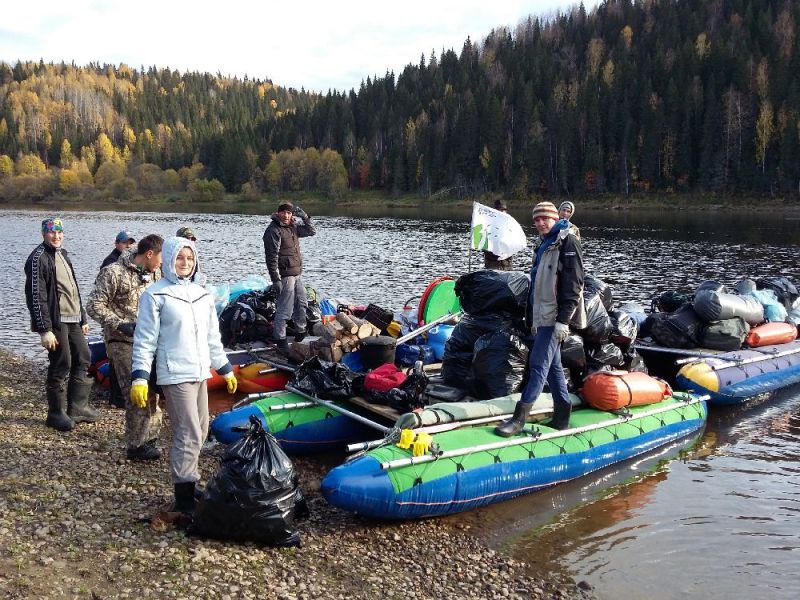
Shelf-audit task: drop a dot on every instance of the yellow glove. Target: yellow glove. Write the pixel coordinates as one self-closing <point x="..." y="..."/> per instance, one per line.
<point x="230" y="381"/>
<point x="139" y="393"/>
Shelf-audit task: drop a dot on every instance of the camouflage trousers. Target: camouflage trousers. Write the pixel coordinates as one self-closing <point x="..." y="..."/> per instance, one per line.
<point x="141" y="424"/>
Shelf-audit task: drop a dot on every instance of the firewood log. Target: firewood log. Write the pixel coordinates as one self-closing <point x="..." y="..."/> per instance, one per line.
<point x="346" y="322"/>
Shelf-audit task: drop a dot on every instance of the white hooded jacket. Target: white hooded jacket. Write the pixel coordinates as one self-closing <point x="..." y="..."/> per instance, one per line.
<point x="178" y="325"/>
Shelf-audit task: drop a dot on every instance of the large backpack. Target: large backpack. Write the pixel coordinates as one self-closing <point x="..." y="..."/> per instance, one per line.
<point x="726" y="335"/>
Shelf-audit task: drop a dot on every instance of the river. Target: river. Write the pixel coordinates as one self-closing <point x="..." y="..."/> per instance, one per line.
<point x="716" y="516"/>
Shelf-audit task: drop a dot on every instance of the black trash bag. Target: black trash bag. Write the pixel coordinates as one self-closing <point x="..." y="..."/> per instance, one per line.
<point x="726" y="335"/>
<point x="259" y="302"/>
<point x="680" y="329"/>
<point x="327" y="380"/>
<point x="498" y="365"/>
<point x="670" y="301"/>
<point x="598" y="323"/>
<point x="573" y="355"/>
<point x="406" y="397"/>
<point x="783" y="287"/>
<point x="254" y="495"/>
<point x="635" y="310"/>
<point x="745" y="286"/>
<point x="471" y="327"/>
<point x="604" y="355"/>
<point x="457" y="368"/>
<point x="634" y="362"/>
<point x="490" y="291"/>
<point x="592" y="286"/>
<point x="234" y="321"/>
<point x="623" y="329"/>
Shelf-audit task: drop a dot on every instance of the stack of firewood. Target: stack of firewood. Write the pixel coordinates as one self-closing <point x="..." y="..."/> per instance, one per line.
<point x="335" y="338"/>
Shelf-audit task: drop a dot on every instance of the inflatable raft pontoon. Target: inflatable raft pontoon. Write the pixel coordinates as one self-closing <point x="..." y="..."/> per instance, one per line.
<point x="471" y="466"/>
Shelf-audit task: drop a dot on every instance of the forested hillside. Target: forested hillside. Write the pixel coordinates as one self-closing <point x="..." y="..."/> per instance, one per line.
<point x="651" y="96"/>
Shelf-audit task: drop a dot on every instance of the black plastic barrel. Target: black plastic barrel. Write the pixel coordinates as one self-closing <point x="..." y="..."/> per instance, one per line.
<point x="377" y="350"/>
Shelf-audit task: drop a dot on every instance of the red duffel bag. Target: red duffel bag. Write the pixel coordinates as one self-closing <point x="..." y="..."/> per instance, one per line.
<point x="610" y="390"/>
<point x="384" y="378"/>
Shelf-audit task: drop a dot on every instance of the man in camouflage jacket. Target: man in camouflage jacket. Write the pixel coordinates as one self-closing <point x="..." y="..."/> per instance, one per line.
<point x="114" y="303"/>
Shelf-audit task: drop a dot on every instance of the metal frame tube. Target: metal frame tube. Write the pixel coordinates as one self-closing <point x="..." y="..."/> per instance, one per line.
<point x="341" y="410"/>
<point x="412" y="460"/>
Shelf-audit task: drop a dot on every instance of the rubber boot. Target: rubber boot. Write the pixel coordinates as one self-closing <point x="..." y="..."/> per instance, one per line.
<point x="561" y="412"/>
<point x="184" y="497"/>
<point x="78" y="405"/>
<point x="283" y="346"/>
<point x="300" y="335"/>
<point x="57" y="417"/>
<point x="515" y="424"/>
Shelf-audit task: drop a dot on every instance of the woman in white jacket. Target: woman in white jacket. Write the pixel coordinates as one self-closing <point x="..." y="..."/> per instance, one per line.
<point x="178" y="325"/>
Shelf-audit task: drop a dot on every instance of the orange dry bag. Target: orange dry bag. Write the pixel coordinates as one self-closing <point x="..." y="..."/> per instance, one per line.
<point x="610" y="390"/>
<point x="767" y="334"/>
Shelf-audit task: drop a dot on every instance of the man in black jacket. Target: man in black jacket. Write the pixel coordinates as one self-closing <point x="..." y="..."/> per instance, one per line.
<point x="57" y="315"/>
<point x="285" y="266"/>
<point x="123" y="241"/>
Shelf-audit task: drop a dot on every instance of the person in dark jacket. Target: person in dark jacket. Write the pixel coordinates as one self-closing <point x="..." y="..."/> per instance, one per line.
<point x="123" y="241"/>
<point x="556" y="302"/>
<point x="285" y="267"/>
<point x="57" y="315"/>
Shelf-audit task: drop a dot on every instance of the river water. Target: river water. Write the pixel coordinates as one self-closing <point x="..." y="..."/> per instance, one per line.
<point x="715" y="516"/>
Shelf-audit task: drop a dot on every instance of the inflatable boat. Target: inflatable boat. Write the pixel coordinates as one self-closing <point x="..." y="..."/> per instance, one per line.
<point x="471" y="466"/>
<point x="733" y="377"/>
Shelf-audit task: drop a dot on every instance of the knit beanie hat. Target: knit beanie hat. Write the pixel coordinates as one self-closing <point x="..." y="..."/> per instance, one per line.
<point x="545" y="209"/>
<point x="568" y="205"/>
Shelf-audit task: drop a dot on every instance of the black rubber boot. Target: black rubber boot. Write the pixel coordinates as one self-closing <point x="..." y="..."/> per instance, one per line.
<point x="147" y="451"/>
<point x="57" y="417"/>
<point x="79" y="409"/>
<point x="184" y="498"/>
<point x="515" y="424"/>
<point x="561" y="413"/>
<point x="300" y="335"/>
<point x="283" y="346"/>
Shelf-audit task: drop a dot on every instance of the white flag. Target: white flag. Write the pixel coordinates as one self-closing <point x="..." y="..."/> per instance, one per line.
<point x="496" y="232"/>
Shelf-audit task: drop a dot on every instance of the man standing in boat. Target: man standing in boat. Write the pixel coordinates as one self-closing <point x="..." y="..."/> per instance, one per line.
<point x="285" y="267"/>
<point x="57" y="315"/>
<point x="114" y="303"/>
<point x="122" y="242"/>
<point x="556" y="302"/>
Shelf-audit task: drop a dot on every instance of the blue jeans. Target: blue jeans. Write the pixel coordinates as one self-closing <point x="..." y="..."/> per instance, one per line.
<point x="544" y="365"/>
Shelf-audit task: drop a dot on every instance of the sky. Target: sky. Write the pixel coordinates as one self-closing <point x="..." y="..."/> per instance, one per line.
<point x="314" y="44"/>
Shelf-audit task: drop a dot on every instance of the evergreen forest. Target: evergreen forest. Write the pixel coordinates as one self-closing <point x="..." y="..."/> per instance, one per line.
<point x="645" y="97"/>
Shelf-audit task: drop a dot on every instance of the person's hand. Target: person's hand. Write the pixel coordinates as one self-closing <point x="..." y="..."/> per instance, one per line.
<point x="85" y="329"/>
<point x="300" y="213"/>
<point x="49" y="341"/>
<point x="139" y="393"/>
<point x="277" y="286"/>
<point x="562" y="331"/>
<point x="534" y="329"/>
<point x="230" y="381"/>
<point x="126" y="328"/>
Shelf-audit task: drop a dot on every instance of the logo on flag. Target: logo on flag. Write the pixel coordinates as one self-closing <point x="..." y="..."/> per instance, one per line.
<point x="496" y="232"/>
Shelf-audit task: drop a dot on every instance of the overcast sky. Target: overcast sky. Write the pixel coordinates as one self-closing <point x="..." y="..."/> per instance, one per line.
<point x="315" y="44"/>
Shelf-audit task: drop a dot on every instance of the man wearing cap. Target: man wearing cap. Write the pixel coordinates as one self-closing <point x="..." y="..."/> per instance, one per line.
<point x="556" y="302"/>
<point x="285" y="267"/>
<point x="186" y="232"/>
<point x="123" y="241"/>
<point x="491" y="260"/>
<point x="57" y="315"/>
<point x="565" y="211"/>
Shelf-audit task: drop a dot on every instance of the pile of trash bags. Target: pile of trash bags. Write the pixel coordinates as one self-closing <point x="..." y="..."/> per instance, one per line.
<point x="717" y="318"/>
<point x="487" y="353"/>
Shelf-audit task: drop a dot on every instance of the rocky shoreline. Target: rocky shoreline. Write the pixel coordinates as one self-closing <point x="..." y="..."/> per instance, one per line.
<point x="75" y="522"/>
